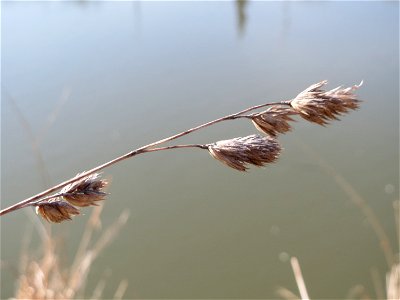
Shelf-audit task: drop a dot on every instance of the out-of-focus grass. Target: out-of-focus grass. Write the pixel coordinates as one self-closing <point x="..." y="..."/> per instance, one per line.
<point x="46" y="277"/>
<point x="391" y="290"/>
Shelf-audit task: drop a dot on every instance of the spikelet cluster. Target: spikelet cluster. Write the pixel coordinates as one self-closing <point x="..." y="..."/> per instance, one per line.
<point x="313" y="104"/>
<point x="56" y="211"/>
<point x="319" y="106"/>
<point x="274" y="120"/>
<point x="239" y="152"/>
<point x="84" y="192"/>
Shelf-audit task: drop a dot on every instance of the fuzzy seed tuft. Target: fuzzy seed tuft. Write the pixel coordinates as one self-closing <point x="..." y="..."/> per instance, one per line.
<point x="253" y="150"/>
<point x="274" y="120"/>
<point x="56" y="211"/>
<point x="319" y="106"/>
<point x="85" y="192"/>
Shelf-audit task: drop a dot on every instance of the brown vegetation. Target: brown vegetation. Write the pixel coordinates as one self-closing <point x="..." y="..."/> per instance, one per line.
<point x="313" y="104"/>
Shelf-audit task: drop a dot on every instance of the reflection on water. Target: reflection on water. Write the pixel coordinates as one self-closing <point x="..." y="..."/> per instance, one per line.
<point x="199" y="230"/>
<point x="241" y="15"/>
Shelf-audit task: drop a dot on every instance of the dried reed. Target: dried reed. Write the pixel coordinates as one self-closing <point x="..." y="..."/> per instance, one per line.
<point x="357" y="292"/>
<point x="49" y="278"/>
<point x="313" y="104"/>
<point x="392" y="278"/>
<point x="392" y="290"/>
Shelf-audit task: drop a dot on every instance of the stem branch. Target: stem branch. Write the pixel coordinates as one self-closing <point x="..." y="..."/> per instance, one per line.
<point x="147" y="148"/>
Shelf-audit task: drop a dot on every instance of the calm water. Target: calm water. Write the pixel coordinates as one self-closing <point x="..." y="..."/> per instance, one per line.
<point x="120" y="75"/>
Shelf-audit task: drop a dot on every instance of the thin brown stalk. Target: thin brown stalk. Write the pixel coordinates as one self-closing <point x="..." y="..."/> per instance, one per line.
<point x="313" y="104"/>
<point x="92" y="224"/>
<point x="177" y="147"/>
<point x="110" y="233"/>
<point x="82" y="268"/>
<point x="141" y="150"/>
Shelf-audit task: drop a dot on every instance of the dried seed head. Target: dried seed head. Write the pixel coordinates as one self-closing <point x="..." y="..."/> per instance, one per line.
<point x="85" y="192"/>
<point x="56" y="211"/>
<point x="253" y="149"/>
<point x="319" y="106"/>
<point x="274" y="120"/>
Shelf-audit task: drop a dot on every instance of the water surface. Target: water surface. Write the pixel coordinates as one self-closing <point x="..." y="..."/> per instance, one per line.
<point x="128" y="73"/>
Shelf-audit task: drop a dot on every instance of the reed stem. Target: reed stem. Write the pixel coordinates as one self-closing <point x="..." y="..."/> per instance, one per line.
<point x="147" y="148"/>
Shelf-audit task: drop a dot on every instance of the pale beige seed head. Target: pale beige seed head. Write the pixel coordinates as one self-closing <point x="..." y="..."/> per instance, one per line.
<point x="319" y="106"/>
<point x="274" y="120"/>
<point x="239" y="152"/>
<point x="56" y="211"/>
<point x="85" y="192"/>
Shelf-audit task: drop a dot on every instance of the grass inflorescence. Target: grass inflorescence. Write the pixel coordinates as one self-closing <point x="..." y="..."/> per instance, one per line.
<point x="313" y="104"/>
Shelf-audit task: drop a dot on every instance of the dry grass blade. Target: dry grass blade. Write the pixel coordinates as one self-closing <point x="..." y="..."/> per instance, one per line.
<point x="299" y="278"/>
<point x="319" y="106"/>
<point x="82" y="266"/>
<point x="120" y="291"/>
<point x="274" y="120"/>
<point x="47" y="278"/>
<point x="99" y="289"/>
<point x="393" y="282"/>
<point x="86" y="191"/>
<point x="253" y="149"/>
<point x="42" y="279"/>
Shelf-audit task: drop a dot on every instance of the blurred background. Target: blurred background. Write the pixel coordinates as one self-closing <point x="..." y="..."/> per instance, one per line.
<point x="84" y="82"/>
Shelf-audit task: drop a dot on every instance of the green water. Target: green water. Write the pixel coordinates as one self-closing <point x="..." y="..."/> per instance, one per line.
<point x="120" y="75"/>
